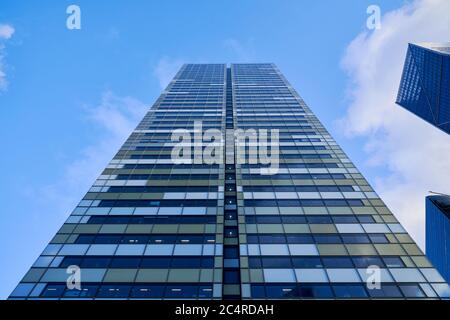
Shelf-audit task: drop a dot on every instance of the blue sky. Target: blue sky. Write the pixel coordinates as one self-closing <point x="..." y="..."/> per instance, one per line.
<point x="64" y="86"/>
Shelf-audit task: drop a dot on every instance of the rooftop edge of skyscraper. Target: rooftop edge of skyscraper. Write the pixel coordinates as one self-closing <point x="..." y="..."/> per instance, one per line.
<point x="425" y="81"/>
<point x="442" y="202"/>
<point x="439" y="47"/>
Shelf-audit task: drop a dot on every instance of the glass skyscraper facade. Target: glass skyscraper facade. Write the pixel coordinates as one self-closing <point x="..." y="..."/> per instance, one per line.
<point x="424" y="88"/>
<point x="152" y="229"/>
<point x="438" y="233"/>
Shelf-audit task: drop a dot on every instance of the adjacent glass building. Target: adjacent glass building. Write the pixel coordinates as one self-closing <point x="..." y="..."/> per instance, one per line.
<point x="424" y="88"/>
<point x="152" y="229"/>
<point x="438" y="233"/>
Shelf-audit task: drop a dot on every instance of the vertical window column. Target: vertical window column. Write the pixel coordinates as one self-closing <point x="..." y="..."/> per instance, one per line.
<point x="231" y="269"/>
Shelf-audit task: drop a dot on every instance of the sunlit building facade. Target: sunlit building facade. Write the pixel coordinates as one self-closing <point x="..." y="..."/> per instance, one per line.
<point x="152" y="229"/>
<point x="438" y="233"/>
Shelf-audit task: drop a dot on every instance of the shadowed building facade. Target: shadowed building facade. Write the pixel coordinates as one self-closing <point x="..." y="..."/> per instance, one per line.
<point x="152" y="229"/>
<point x="425" y="85"/>
<point x="438" y="233"/>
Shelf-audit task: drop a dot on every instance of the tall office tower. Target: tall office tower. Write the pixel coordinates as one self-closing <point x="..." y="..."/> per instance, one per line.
<point x="152" y="229"/>
<point x="424" y="88"/>
<point x="438" y="233"/>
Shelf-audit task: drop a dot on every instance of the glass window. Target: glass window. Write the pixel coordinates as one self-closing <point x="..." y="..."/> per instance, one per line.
<point x="307" y="262"/>
<point x="43" y="262"/>
<point x="366" y="219"/>
<point x="300" y="238"/>
<point x="147" y="291"/>
<point x="349" y="291"/>
<point x="130" y="249"/>
<point x="188" y="249"/>
<point x="311" y="275"/>
<point x="279" y="275"/>
<point x="274" y="250"/>
<point x="272" y="239"/>
<point x="378" y="238"/>
<point x="22" y="290"/>
<point x="231" y="252"/>
<point x="254" y="262"/>
<point x="317" y="291"/>
<point x="345" y="219"/>
<point x="230" y="232"/>
<point x="207" y="262"/>
<point x="70" y="261"/>
<point x="126" y="262"/>
<point x="95" y="262"/>
<point x="186" y="262"/>
<point x="268" y="219"/>
<point x="364" y="262"/>
<point x="442" y="289"/>
<point x="327" y="239"/>
<point x="407" y="275"/>
<point x="303" y="249"/>
<point x="74" y="249"/>
<point x="350" y="238"/>
<point x="181" y="291"/>
<point x="114" y="291"/>
<point x="53" y="290"/>
<point x="385" y="291"/>
<point x="205" y="292"/>
<point x="343" y="275"/>
<point x="319" y="219"/>
<point x="412" y="291"/>
<point x="337" y="262"/>
<point x="108" y="239"/>
<point x="159" y="249"/>
<point x="278" y="292"/>
<point x="155" y="262"/>
<point x="85" y="239"/>
<point x="87" y="291"/>
<point x="349" y="228"/>
<point x="102" y="249"/>
<point x="293" y="219"/>
<point x="231" y="276"/>
<point x="393" y="262"/>
<point x="375" y="228"/>
<point x="134" y="239"/>
<point x="432" y="275"/>
<point x="257" y="291"/>
<point x="276" y="262"/>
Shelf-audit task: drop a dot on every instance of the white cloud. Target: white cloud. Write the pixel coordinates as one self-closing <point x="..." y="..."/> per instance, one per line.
<point x="3" y="83"/>
<point x="118" y="115"/>
<point x="114" y="118"/>
<point x="46" y="206"/>
<point x="166" y="69"/>
<point x="416" y="155"/>
<point x="6" y="32"/>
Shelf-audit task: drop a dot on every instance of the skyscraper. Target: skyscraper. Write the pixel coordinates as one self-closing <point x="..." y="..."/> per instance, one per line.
<point x="424" y="88"/>
<point x="438" y="233"/>
<point x="311" y="227"/>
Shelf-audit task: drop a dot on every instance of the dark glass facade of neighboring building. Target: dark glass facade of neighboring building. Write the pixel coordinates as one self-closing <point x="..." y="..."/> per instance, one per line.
<point x="151" y="229"/>
<point x="425" y="85"/>
<point x="438" y="233"/>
